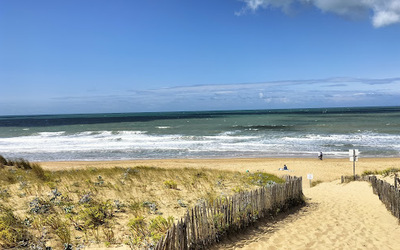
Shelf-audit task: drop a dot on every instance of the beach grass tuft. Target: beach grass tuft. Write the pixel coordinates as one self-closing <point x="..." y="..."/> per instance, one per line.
<point x="13" y="232"/>
<point x="315" y="183"/>
<point x="384" y="173"/>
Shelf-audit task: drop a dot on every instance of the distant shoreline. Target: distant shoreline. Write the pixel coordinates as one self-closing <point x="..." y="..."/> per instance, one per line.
<point x="219" y="159"/>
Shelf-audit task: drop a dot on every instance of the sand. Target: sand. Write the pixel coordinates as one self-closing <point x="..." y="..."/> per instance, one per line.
<point x="337" y="216"/>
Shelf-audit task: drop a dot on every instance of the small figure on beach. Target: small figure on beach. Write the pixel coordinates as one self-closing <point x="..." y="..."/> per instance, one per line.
<point x="320" y="155"/>
<point x="284" y="168"/>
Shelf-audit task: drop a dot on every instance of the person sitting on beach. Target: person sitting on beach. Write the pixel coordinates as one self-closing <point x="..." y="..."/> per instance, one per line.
<point x="284" y="168"/>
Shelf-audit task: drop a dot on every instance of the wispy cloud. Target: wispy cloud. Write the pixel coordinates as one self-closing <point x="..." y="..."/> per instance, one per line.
<point x="331" y="92"/>
<point x="264" y="95"/>
<point x="384" y="12"/>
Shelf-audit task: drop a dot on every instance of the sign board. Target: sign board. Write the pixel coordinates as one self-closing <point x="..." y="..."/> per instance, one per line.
<point x="310" y="176"/>
<point x="353" y="153"/>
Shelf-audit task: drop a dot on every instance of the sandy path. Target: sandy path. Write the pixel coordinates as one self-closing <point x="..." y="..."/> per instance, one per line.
<point x="339" y="216"/>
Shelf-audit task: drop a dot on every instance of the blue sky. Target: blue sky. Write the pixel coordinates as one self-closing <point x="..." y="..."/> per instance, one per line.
<point x="132" y="56"/>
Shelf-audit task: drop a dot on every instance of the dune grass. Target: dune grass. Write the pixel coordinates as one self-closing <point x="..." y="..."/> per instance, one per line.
<point x="315" y="183"/>
<point x="384" y="173"/>
<point x="105" y="207"/>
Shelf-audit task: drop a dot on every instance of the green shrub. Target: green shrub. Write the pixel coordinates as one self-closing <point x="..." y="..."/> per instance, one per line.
<point x="171" y="184"/>
<point x="160" y="224"/>
<point x="3" y="161"/>
<point x="135" y="207"/>
<point x="369" y="172"/>
<point x="95" y="214"/>
<point x="315" y="183"/>
<point x="217" y="219"/>
<point x="384" y="173"/>
<point x="238" y="189"/>
<point x="60" y="228"/>
<point x="12" y="230"/>
<point x="137" y="226"/>
<point x="263" y="179"/>
<point x="387" y="172"/>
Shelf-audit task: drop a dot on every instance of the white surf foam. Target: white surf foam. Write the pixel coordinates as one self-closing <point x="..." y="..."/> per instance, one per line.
<point x="116" y="144"/>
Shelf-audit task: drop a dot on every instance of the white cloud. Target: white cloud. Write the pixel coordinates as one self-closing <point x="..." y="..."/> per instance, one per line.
<point x="384" y="12"/>
<point x="383" y="18"/>
<point x="253" y="5"/>
<point x="349" y="8"/>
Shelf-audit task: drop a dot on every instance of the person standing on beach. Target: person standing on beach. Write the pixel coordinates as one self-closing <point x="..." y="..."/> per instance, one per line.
<point x="320" y="155"/>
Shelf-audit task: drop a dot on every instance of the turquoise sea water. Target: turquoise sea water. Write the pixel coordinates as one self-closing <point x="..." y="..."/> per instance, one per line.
<point x="217" y="134"/>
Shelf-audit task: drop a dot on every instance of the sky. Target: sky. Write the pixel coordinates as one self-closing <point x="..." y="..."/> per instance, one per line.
<point x="101" y="56"/>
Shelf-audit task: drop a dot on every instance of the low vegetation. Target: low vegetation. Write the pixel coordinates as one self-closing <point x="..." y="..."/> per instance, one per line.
<point x="384" y="173"/>
<point x="315" y="183"/>
<point x="105" y="207"/>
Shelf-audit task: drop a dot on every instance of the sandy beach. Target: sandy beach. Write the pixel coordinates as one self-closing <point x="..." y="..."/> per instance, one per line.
<point x="337" y="216"/>
<point x="325" y="170"/>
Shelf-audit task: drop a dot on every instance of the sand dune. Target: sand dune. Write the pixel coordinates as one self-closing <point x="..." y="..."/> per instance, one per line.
<point x="338" y="216"/>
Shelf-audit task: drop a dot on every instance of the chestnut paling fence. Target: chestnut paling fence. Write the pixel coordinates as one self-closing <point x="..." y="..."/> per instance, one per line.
<point x="387" y="193"/>
<point x="204" y="224"/>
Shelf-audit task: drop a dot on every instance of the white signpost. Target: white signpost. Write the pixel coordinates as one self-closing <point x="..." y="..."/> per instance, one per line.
<point x="310" y="177"/>
<point x="353" y="153"/>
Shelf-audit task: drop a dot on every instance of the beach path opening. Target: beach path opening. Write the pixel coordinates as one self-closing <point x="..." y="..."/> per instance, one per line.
<point x="337" y="216"/>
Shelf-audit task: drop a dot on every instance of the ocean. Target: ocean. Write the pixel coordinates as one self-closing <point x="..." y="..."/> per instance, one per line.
<point x="374" y="131"/>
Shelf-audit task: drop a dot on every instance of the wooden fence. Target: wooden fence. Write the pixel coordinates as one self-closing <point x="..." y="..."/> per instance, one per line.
<point x="204" y="224"/>
<point x="387" y="193"/>
<point x="345" y="179"/>
<point x="396" y="181"/>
